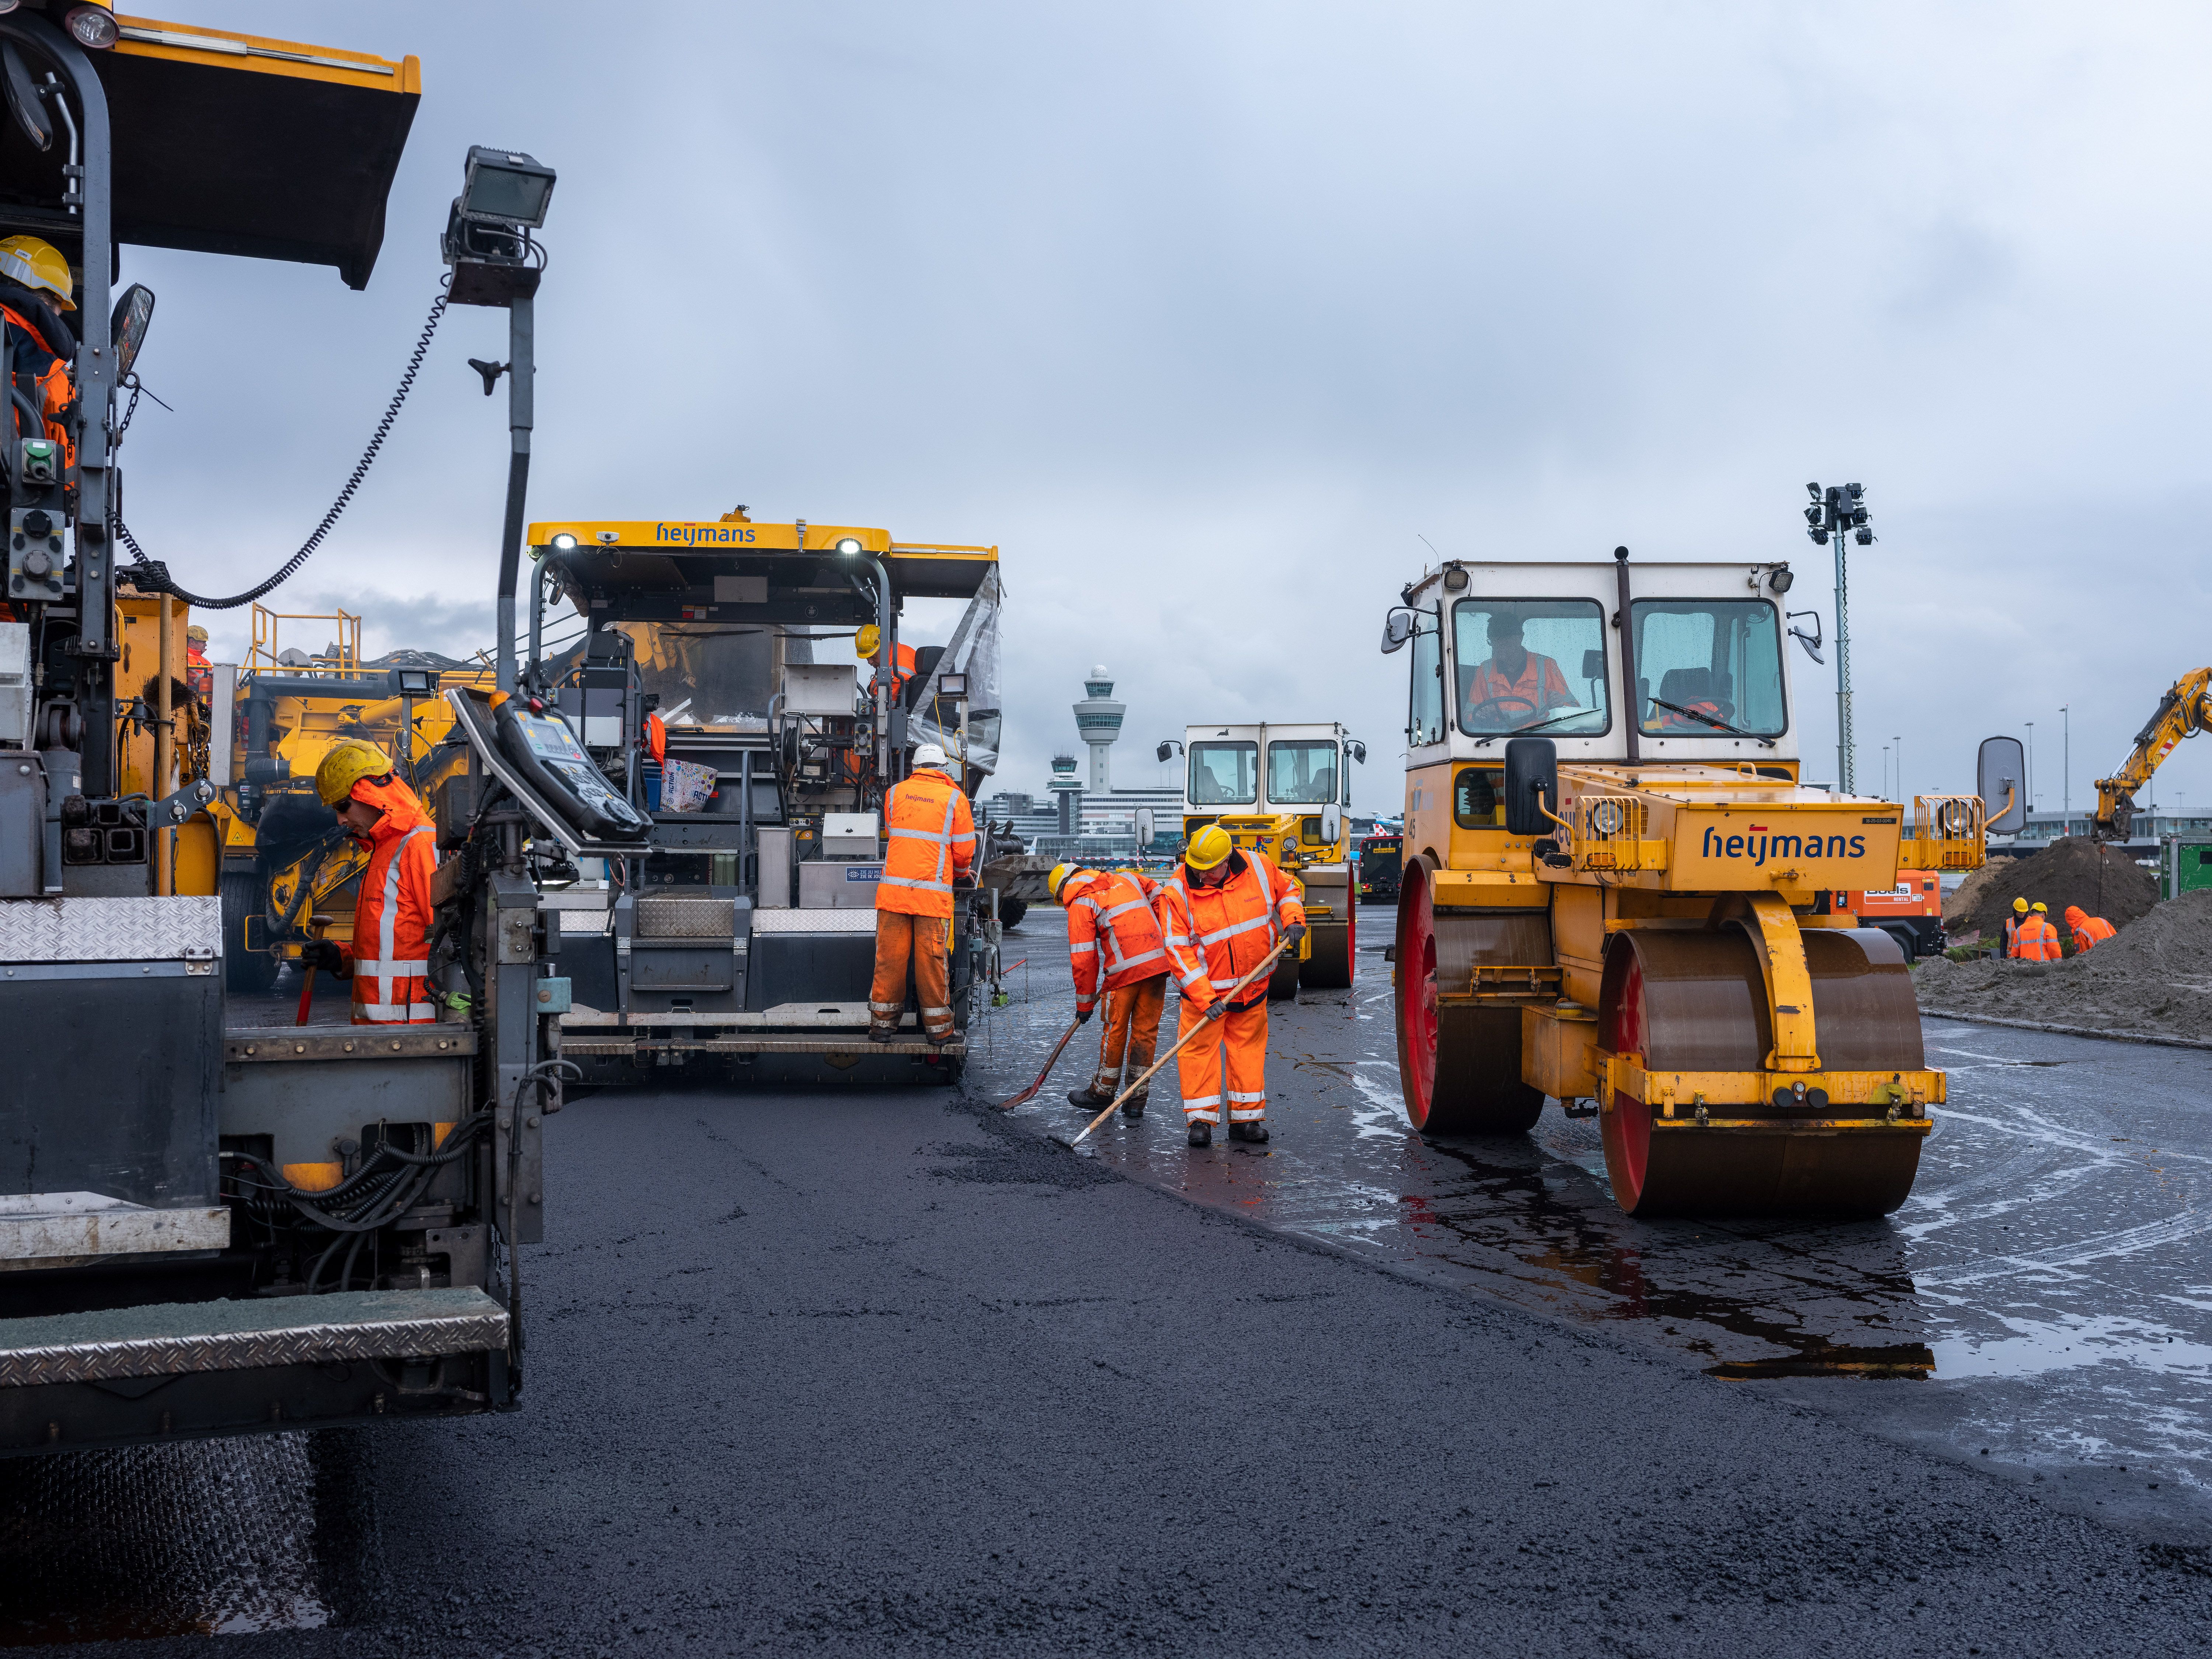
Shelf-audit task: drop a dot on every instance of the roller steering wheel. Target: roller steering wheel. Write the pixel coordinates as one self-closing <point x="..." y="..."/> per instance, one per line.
<point x="1474" y="712"/>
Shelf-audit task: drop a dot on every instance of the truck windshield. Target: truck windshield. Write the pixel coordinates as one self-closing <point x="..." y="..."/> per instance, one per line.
<point x="1224" y="774"/>
<point x="1302" y="774"/>
<point x="1718" y="658"/>
<point x="1525" y="663"/>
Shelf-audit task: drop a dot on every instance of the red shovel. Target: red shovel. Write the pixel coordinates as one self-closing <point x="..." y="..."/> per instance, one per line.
<point x="315" y="925"/>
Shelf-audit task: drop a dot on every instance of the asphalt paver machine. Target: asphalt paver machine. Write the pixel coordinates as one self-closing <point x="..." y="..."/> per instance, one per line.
<point x="213" y="1223"/>
<point x="1617" y="892"/>
<point x="1286" y="790"/>
<point x="737" y="938"/>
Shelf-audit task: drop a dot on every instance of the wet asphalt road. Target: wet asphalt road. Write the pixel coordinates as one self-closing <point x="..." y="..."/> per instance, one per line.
<point x="879" y="1371"/>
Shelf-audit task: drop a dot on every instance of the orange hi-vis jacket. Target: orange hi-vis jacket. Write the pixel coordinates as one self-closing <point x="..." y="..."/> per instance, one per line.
<point x="932" y="840"/>
<point x="390" y="948"/>
<point x="2089" y="931"/>
<point x="2035" y="940"/>
<point x="56" y="393"/>
<point x="1217" y="935"/>
<point x="1113" y="934"/>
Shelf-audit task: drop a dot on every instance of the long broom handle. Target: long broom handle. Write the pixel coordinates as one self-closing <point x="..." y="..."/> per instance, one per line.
<point x="1267" y="963"/>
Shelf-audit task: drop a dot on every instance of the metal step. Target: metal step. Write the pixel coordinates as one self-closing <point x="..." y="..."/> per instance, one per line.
<point x="171" y="1339"/>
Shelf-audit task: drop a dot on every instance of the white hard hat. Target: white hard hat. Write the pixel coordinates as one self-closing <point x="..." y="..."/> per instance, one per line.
<point x="929" y="754"/>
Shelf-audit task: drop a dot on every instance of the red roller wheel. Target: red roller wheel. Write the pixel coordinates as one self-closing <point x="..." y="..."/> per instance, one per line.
<point x="1459" y="1066"/>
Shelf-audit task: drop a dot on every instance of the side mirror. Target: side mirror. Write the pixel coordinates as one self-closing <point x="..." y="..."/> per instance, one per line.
<point x="1531" y="784"/>
<point x="1397" y="628"/>
<point x="1144" y="829"/>
<point x="23" y="101"/>
<point x="1164" y="751"/>
<point x="1593" y="664"/>
<point x="2001" y="780"/>
<point x="1810" y="642"/>
<point x="1332" y="825"/>
<point x="133" y="315"/>
<point x="1359" y="752"/>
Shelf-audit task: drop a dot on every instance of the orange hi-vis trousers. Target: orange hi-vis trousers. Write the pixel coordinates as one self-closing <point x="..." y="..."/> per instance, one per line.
<point x="920" y="941"/>
<point x="1243" y="1032"/>
<point x="1130" y="1032"/>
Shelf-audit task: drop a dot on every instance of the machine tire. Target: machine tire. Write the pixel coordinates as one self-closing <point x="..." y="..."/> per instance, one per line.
<point x="1907" y="940"/>
<point x="1283" y="980"/>
<point x="1459" y="1068"/>
<point x="1012" y="910"/>
<point x="1335" y="953"/>
<point x="249" y="973"/>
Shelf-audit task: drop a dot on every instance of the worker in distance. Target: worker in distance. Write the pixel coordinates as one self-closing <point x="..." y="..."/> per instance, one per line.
<point x="1114" y="942"/>
<point x="388" y="960"/>
<point x="932" y="844"/>
<point x="1222" y="912"/>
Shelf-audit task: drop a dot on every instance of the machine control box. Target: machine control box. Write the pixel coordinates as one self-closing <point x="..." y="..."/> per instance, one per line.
<point x="849" y="835"/>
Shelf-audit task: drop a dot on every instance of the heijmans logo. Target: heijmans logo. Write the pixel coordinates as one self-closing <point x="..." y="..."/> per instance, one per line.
<point x="1758" y="844"/>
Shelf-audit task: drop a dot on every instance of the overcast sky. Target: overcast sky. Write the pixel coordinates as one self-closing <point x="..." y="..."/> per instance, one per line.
<point x="1204" y="314"/>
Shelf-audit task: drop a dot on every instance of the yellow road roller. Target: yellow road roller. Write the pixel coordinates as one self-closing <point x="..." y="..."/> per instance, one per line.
<point x="1619" y="893"/>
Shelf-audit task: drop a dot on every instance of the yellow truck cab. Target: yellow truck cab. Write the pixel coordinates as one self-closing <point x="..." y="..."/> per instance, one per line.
<point x="1285" y="789"/>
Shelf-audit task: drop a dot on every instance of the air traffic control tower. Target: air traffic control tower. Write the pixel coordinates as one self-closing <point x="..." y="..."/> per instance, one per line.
<point x="1098" y="723"/>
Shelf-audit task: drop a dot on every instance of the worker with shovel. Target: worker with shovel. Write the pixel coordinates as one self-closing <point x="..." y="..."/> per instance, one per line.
<point x="1114" y="938"/>
<point x="1222" y="912"/>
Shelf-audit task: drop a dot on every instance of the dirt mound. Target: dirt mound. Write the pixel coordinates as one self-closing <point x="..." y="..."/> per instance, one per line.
<point x="2155" y="978"/>
<point x="1964" y="902"/>
<point x="2103" y="880"/>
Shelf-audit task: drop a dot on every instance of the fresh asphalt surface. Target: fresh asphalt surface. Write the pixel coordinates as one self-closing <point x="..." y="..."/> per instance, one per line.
<point x="864" y="1370"/>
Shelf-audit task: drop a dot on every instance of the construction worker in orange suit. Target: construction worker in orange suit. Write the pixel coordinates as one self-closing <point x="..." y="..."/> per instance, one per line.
<point x="2089" y="931"/>
<point x="199" y="674"/>
<point x="2012" y="925"/>
<point x="933" y="844"/>
<point x="35" y="288"/>
<point x="1222" y="912"/>
<point x="388" y="960"/>
<point x="1115" y="944"/>
<point x="2035" y="940"/>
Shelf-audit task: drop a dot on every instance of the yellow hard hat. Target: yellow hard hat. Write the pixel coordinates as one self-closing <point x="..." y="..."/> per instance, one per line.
<point x="2044" y="908"/>
<point x="196" y="633"/>
<point x="346" y="764"/>
<point x="38" y="266"/>
<point x="867" y="642"/>
<point x="1208" y="848"/>
<point x="2021" y="905"/>
<point x="1063" y="875"/>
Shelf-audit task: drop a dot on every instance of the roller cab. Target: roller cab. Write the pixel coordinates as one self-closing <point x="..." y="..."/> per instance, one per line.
<point x="1617" y="893"/>
<point x="1286" y="790"/>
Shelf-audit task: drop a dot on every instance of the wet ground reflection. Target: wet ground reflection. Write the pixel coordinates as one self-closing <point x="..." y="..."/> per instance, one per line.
<point x="2051" y="1245"/>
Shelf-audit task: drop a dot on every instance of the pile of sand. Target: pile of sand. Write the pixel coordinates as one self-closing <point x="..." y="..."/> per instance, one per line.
<point x="2155" y="979"/>
<point x="2103" y="880"/>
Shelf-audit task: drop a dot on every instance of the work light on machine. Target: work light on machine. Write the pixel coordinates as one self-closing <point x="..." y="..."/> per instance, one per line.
<point x="90" y="25"/>
<point x="505" y="186"/>
<point x="564" y="543"/>
<point x="1608" y="818"/>
<point x="849" y="546"/>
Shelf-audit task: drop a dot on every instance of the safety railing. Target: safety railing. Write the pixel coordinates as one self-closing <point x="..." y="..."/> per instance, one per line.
<point x="1611" y="832"/>
<point x="1947" y="834"/>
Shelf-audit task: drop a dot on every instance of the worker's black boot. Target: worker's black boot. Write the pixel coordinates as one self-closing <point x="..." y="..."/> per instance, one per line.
<point x="1201" y="1132"/>
<point x="883" y="1033"/>
<point x="1256" y="1133"/>
<point x="1134" y="1107"/>
<point x="1085" y="1099"/>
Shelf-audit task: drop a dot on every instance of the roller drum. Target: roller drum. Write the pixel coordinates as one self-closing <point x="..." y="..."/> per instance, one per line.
<point x="1459" y="1063"/>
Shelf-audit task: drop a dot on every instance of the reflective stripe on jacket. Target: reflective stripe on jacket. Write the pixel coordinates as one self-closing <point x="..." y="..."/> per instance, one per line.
<point x="932" y="840"/>
<point x="2036" y="940"/>
<point x="1113" y="934"/>
<point x="1217" y="935"/>
<point x="392" y="919"/>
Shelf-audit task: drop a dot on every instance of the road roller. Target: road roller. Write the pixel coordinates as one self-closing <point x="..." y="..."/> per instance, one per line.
<point x="1286" y="791"/>
<point x="1619" y="893"/>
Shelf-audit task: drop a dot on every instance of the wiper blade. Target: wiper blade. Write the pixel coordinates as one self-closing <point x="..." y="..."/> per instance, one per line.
<point x="1523" y="731"/>
<point x="1708" y="720"/>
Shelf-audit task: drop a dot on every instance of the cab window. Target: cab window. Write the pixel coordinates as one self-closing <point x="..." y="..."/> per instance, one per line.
<point x="1425" y="715"/>
<point x="1708" y="668"/>
<point x="1530" y="665"/>
<point x="1302" y="772"/>
<point x="1224" y="774"/>
<point x="1478" y="794"/>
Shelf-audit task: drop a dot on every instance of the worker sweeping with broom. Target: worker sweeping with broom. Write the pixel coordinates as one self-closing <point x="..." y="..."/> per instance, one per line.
<point x="1222" y="912"/>
<point x="1114" y="944"/>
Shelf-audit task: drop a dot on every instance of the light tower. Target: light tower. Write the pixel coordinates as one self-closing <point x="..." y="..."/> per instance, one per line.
<point x="1098" y="723"/>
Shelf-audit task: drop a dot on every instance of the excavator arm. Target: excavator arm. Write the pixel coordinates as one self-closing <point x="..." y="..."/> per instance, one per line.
<point x="2184" y="710"/>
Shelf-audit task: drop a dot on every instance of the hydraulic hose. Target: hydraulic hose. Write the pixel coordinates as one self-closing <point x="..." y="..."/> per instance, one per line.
<point x="152" y="577"/>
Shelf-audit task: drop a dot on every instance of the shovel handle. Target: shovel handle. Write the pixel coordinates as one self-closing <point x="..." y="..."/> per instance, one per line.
<point x="1267" y="964"/>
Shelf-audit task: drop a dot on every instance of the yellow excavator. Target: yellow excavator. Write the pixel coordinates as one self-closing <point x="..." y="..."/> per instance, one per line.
<point x="2183" y="712"/>
<point x="1619" y="894"/>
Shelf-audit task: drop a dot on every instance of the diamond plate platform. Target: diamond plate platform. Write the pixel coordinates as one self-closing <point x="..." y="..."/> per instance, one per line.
<point x="170" y="1338"/>
<point x="109" y="929"/>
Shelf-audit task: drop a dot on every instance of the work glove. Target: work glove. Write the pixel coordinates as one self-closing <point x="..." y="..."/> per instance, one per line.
<point x="1293" y="933"/>
<point x="325" y="954"/>
<point x="1216" y="1010"/>
<point x="1083" y="1016"/>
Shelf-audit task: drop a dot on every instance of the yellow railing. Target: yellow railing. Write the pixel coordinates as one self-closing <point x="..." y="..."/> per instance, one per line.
<point x="341" y="651"/>
<point x="1947" y="834"/>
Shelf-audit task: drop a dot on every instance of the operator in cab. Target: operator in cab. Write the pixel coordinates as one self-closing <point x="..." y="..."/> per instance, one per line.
<point x="933" y="844"/>
<point x="1114" y="944"/>
<point x="1222" y="912"/>
<point x="388" y="960"/>
<point x="35" y="288"/>
<point x="1514" y="686"/>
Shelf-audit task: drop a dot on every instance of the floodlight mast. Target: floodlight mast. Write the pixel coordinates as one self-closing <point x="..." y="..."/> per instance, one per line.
<point x="1840" y="511"/>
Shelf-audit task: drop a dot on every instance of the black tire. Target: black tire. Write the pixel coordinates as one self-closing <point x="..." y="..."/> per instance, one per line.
<point x="1012" y="910"/>
<point x="249" y="973"/>
<point x="1907" y="941"/>
<point x="1283" y="980"/>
